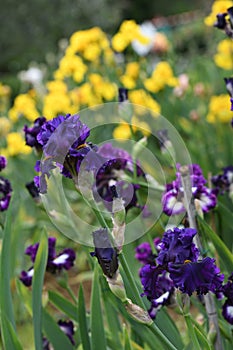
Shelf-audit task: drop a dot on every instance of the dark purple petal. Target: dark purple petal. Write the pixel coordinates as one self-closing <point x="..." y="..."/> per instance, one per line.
<point x="122" y="94"/>
<point x="202" y="277"/>
<point x="221" y="21"/>
<point x="26" y="277"/>
<point x="5" y="193"/>
<point x="177" y="246"/>
<point x="227" y="311"/>
<point x="31" y="133"/>
<point x="33" y="189"/>
<point x="157" y="286"/>
<point x="65" y="260"/>
<point x="3" y="163"/>
<point x="143" y="253"/>
<point x="68" y="328"/>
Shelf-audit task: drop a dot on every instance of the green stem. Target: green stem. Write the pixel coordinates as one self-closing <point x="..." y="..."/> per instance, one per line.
<point x="192" y="333"/>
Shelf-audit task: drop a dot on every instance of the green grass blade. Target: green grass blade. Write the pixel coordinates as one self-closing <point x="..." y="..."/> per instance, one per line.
<point x="5" y="278"/>
<point x="37" y="286"/>
<point x="10" y="338"/>
<point x="83" y="321"/>
<point x="97" y="326"/>
<point x="54" y="334"/>
<point x="224" y="253"/>
<point x="64" y="305"/>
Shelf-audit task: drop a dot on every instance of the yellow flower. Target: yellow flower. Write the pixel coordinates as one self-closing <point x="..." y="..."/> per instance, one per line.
<point x="122" y="131"/>
<point x="56" y="86"/>
<point x="219" y="109"/>
<point x="71" y="65"/>
<point x="140" y="97"/>
<point x="161" y="76"/>
<point x="219" y="6"/>
<point x="224" y="56"/>
<point x="120" y="42"/>
<point x="132" y="70"/>
<point x="16" y="145"/>
<point x="92" y="52"/>
<point x="24" y="105"/>
<point x="128" y="82"/>
<point x="109" y="91"/>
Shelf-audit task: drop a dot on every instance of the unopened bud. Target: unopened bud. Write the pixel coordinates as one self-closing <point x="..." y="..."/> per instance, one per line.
<point x="117" y="287"/>
<point x="137" y="313"/>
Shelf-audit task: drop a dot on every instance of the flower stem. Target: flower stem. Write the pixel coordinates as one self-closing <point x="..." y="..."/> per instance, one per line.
<point x="189" y="205"/>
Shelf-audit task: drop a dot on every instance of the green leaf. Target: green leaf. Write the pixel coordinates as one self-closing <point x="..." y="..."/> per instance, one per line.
<point x="83" y="321"/>
<point x="54" y="334"/>
<point x="97" y="326"/>
<point x="202" y="336"/>
<point x="127" y="344"/>
<point x="37" y="287"/>
<point x="224" y="253"/>
<point x="10" y="338"/>
<point x="64" y="305"/>
<point x="5" y="278"/>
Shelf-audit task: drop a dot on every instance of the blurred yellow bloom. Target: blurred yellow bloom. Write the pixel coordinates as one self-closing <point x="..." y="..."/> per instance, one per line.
<point x="5" y="90"/>
<point x="122" y="131"/>
<point x="219" y="109"/>
<point x="109" y="91"/>
<point x="71" y="65"/>
<point x="90" y="43"/>
<point x="224" y="56"/>
<point x="16" y="145"/>
<point x="128" y="82"/>
<point x="132" y="69"/>
<point x="120" y="42"/>
<point x="161" y="76"/>
<point x="92" y="52"/>
<point x="57" y="86"/>
<point x="128" y="31"/>
<point x="141" y="97"/>
<point x="219" y="6"/>
<point x="24" y="105"/>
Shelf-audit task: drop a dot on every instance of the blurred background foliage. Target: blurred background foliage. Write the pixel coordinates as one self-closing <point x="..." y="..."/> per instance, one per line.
<point x="31" y="30"/>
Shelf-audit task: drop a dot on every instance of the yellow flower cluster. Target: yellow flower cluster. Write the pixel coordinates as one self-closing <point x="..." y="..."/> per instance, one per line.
<point x="219" y="6"/>
<point x="219" y="109"/>
<point x="129" y="31"/>
<point x="24" y="105"/>
<point x="224" y="56"/>
<point x="123" y="131"/>
<point x="57" y="101"/>
<point x="161" y="76"/>
<point x="88" y="43"/>
<point x="142" y="98"/>
<point x="129" y="79"/>
<point x="15" y="145"/>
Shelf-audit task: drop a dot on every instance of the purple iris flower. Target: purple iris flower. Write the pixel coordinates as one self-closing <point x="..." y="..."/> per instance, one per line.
<point x="172" y="199"/>
<point x="31" y="133"/>
<point x="68" y="328"/>
<point x="55" y="263"/>
<point x="157" y="286"/>
<point x="116" y="163"/>
<point x="33" y="189"/>
<point x="5" y="193"/>
<point x="231" y="100"/>
<point x="202" y="276"/>
<point x="63" y="140"/>
<point x="227" y="309"/>
<point x="104" y="252"/>
<point x="177" y="246"/>
<point x="3" y="163"/>
<point x="224" y="181"/>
